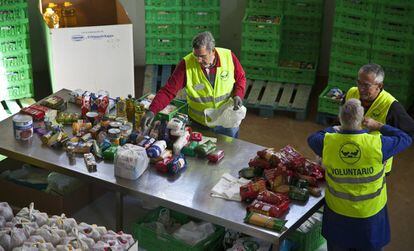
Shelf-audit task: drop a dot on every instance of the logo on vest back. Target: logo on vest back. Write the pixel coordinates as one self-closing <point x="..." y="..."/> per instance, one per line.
<point x="224" y="75"/>
<point x="199" y="87"/>
<point x="376" y="113"/>
<point x="350" y="153"/>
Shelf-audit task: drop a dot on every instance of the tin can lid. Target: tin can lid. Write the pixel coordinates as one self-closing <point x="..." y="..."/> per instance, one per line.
<point x="22" y="118"/>
<point x="115" y="124"/>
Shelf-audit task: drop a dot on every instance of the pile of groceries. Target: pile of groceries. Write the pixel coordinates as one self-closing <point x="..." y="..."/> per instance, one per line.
<point x="98" y="133"/>
<point x="31" y="229"/>
<point x="276" y="179"/>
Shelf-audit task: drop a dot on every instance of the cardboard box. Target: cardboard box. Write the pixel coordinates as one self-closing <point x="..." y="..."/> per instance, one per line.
<point x="95" y="55"/>
<point x="21" y="196"/>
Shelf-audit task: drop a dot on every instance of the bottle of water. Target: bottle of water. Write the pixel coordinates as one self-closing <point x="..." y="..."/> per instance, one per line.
<point x="51" y="18"/>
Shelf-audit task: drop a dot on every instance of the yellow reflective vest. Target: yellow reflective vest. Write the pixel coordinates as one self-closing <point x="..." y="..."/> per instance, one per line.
<point x="355" y="175"/>
<point x="378" y="111"/>
<point x="200" y="93"/>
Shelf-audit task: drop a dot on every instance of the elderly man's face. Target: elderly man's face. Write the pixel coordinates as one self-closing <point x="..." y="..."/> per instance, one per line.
<point x="204" y="57"/>
<point x="368" y="89"/>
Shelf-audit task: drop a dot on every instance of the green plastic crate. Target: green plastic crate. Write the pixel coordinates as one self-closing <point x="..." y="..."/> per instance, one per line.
<point x="398" y="75"/>
<point x="22" y="89"/>
<point x="162" y="57"/>
<point x="15" y="44"/>
<point x="264" y="30"/>
<point x="345" y="66"/>
<point x="365" y="8"/>
<point x="13" y="76"/>
<point x="398" y="60"/>
<point x="351" y="37"/>
<point x="305" y="24"/>
<point x="163" y="3"/>
<point x="260" y="58"/>
<point x="357" y="53"/>
<point x="396" y="12"/>
<point x="327" y="105"/>
<point x="190" y="29"/>
<point x="151" y="241"/>
<point x="310" y="39"/>
<point x="163" y="15"/>
<point x="342" y="80"/>
<point x="166" y="29"/>
<point x="310" y="240"/>
<point x="259" y="72"/>
<point x="14" y="29"/>
<point x="354" y="22"/>
<point x="403" y="93"/>
<point x="201" y="4"/>
<point x="299" y="52"/>
<point x="12" y="13"/>
<point x="394" y="29"/>
<point x="260" y="44"/>
<point x="203" y="16"/>
<point x="304" y="8"/>
<point x="14" y="60"/>
<point x="393" y="43"/>
<point x="296" y="76"/>
<point x="270" y="6"/>
<point x="163" y="43"/>
<point x="12" y="3"/>
<point x="181" y="105"/>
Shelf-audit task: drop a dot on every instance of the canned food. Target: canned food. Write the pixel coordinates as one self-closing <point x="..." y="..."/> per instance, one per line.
<point x="114" y="135"/>
<point x="115" y="124"/>
<point x="22" y="127"/>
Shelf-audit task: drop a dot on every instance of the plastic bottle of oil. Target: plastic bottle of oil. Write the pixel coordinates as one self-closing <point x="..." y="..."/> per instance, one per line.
<point x="51" y="18"/>
<point x="69" y="15"/>
<point x="58" y="10"/>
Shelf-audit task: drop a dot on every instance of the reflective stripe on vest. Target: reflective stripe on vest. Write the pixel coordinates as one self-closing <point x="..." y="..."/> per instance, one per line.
<point x="355" y="175"/>
<point x="200" y="94"/>
<point x="378" y="111"/>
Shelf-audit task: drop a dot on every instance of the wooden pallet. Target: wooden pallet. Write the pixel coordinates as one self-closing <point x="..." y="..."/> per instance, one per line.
<point x="156" y="76"/>
<point x="270" y="96"/>
<point x="327" y="119"/>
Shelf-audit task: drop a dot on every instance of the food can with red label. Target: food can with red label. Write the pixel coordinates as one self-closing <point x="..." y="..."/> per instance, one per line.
<point x="22" y="127"/>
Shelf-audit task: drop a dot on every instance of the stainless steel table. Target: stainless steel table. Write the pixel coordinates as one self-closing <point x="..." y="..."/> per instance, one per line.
<point x="188" y="193"/>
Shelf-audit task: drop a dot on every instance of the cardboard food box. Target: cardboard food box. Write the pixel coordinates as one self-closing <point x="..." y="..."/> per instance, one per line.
<point x="96" y="54"/>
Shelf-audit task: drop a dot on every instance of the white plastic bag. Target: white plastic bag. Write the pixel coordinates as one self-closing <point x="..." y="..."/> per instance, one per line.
<point x="130" y="161"/>
<point x="5" y="211"/>
<point x="225" y="116"/>
<point x="192" y="233"/>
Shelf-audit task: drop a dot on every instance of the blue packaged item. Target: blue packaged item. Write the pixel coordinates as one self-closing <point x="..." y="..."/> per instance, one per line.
<point x="178" y="164"/>
<point x="105" y="144"/>
<point x="155" y="150"/>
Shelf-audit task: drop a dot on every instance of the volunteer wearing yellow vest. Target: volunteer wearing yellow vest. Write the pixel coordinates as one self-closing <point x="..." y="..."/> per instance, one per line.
<point x="378" y="103"/>
<point x="355" y="216"/>
<point x="210" y="76"/>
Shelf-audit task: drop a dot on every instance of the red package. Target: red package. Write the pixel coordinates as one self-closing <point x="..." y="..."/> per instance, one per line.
<point x="272" y="198"/>
<point x="250" y="191"/>
<point x="216" y="156"/>
<point x="196" y="136"/>
<point x="86" y="105"/>
<point x="259" y="162"/>
<point x="268" y="209"/>
<point x="103" y="102"/>
<point x="36" y="114"/>
<point x="296" y="160"/>
<point x="40" y="108"/>
<point x="161" y="166"/>
<point x="315" y="170"/>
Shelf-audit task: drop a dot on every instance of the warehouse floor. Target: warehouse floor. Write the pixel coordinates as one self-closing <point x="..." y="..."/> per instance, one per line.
<point x="277" y="132"/>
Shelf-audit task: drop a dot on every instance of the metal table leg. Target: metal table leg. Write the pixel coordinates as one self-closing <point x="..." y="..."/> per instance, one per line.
<point x="119" y="211"/>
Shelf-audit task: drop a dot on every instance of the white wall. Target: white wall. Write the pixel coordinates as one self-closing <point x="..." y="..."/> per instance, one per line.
<point x="232" y="12"/>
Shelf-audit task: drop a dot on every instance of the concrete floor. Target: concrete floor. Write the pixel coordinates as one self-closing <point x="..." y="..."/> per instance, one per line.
<point x="277" y="132"/>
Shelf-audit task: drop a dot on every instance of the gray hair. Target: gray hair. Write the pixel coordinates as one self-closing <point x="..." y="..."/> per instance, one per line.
<point x="373" y="69"/>
<point x="351" y="114"/>
<point x="204" y="39"/>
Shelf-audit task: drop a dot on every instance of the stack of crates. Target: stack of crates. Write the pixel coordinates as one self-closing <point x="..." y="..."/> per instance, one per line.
<point x="15" y="61"/>
<point x="199" y="16"/>
<point x="377" y="31"/>
<point x="261" y="38"/>
<point x="170" y="26"/>
<point x="393" y="47"/>
<point x="301" y="41"/>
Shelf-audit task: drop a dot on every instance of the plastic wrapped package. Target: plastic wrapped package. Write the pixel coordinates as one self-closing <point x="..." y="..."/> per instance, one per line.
<point x="2" y="221"/>
<point x="89" y="231"/>
<point x="225" y="115"/>
<point x="48" y="234"/>
<point x="33" y="215"/>
<point x="61" y="184"/>
<point x="5" y="211"/>
<point x="11" y="238"/>
<point x="192" y="233"/>
<point x="131" y="161"/>
<point x="66" y="224"/>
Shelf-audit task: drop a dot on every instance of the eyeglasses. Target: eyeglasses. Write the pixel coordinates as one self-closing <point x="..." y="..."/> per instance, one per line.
<point x="364" y="85"/>
<point x="200" y="56"/>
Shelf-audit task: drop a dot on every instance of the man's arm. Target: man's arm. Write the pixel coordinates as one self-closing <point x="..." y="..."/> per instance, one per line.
<point x="315" y="140"/>
<point x="393" y="141"/>
<point x="174" y="84"/>
<point x="398" y="117"/>
<point x="240" y="77"/>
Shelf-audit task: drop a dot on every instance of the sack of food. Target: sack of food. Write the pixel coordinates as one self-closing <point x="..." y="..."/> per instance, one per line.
<point x="130" y="161"/>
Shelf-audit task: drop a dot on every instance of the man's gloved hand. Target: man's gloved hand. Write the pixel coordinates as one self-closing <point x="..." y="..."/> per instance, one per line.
<point x="147" y="119"/>
<point x="237" y="103"/>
